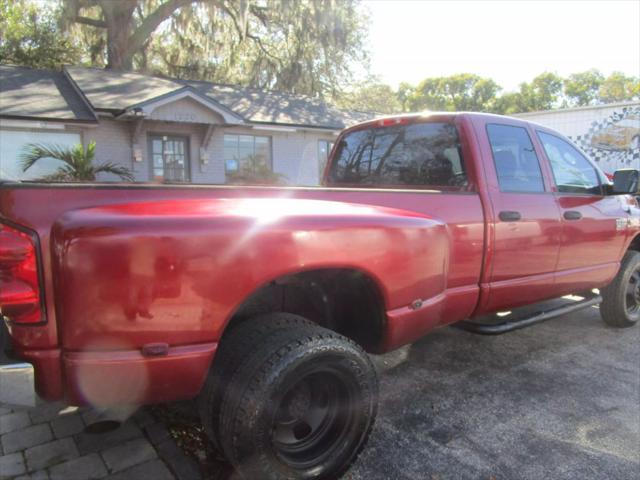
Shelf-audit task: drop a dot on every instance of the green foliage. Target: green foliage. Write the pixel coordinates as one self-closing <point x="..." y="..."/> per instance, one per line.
<point x="404" y="93"/>
<point x="29" y="36"/>
<point x="461" y="92"/>
<point x="467" y="92"/>
<point x="617" y="87"/>
<point x="582" y="88"/>
<point x="304" y="46"/>
<point x="371" y="97"/>
<point x="78" y="163"/>
<point x="543" y="93"/>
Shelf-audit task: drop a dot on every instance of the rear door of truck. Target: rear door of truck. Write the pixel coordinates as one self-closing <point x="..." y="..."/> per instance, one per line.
<point x="524" y="216"/>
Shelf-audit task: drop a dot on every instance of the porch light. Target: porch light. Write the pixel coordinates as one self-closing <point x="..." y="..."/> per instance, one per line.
<point x="204" y="160"/>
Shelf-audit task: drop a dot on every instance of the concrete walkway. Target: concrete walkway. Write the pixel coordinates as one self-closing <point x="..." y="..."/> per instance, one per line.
<point x="49" y="443"/>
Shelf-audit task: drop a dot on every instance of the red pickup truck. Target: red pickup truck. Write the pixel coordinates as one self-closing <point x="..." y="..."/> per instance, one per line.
<point x="262" y="301"/>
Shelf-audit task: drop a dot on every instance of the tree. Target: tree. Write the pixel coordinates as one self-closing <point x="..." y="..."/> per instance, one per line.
<point x="78" y="163"/>
<point x="543" y="93"/>
<point x="460" y="92"/>
<point x="371" y="97"/>
<point x="582" y="88"/>
<point x="404" y="94"/>
<point x="303" y="46"/>
<point x="509" y="103"/>
<point x="29" y="36"/>
<point x="617" y="87"/>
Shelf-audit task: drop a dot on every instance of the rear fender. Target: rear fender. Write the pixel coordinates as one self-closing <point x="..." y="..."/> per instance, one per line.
<point x="133" y="274"/>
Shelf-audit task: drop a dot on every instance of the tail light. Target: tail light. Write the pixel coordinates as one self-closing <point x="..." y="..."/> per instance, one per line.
<point x="20" y="297"/>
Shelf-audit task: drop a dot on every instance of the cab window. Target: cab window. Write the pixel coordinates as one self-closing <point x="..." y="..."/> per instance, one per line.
<point x="420" y="155"/>
<point x="572" y="172"/>
<point x="515" y="159"/>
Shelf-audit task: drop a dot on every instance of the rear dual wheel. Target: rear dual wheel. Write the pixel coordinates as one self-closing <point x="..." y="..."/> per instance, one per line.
<point x="300" y="405"/>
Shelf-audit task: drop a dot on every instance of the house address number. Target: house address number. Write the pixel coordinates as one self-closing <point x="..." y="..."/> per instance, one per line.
<point x="176" y="117"/>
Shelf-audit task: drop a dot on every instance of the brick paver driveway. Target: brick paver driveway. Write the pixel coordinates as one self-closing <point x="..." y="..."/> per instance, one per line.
<point x="49" y="442"/>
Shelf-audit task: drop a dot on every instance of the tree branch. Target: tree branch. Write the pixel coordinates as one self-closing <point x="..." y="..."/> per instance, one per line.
<point x="149" y="24"/>
<point x="90" y="21"/>
<point x="263" y="48"/>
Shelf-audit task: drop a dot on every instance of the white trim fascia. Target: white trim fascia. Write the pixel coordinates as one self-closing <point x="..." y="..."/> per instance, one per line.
<point x="274" y="128"/>
<point x="41" y="124"/>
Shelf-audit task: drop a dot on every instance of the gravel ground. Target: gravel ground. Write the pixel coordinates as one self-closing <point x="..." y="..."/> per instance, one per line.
<point x="558" y="400"/>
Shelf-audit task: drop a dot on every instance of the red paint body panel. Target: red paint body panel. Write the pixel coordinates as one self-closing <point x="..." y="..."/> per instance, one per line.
<point x="126" y="266"/>
<point x="133" y="378"/>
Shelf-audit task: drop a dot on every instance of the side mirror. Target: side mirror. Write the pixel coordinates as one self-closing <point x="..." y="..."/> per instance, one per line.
<point x="626" y="180"/>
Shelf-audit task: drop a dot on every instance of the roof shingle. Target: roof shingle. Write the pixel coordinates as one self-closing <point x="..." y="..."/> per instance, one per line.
<point x="116" y="91"/>
<point x="42" y="94"/>
<point x="46" y="94"/>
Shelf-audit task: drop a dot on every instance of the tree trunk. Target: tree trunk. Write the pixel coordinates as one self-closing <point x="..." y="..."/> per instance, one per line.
<point x="119" y="19"/>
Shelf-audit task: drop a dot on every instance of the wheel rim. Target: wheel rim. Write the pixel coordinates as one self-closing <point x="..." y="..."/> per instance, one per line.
<point x="313" y="418"/>
<point x="632" y="294"/>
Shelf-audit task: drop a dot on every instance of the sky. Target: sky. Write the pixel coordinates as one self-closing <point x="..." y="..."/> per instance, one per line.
<point x="509" y="41"/>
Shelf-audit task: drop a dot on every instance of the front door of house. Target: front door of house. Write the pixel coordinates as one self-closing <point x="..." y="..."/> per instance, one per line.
<point x="170" y="157"/>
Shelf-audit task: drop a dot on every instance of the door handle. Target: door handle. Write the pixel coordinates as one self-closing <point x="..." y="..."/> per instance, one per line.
<point x="572" y="215"/>
<point x="509" y="216"/>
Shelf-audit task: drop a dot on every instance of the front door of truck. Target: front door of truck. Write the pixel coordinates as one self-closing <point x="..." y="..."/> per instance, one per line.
<point x="525" y="227"/>
<point x="593" y="225"/>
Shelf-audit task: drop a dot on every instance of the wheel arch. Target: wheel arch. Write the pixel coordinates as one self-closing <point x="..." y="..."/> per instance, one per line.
<point x="634" y="244"/>
<point x="347" y="300"/>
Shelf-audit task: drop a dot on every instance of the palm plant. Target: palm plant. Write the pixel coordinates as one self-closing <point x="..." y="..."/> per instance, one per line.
<point x="78" y="163"/>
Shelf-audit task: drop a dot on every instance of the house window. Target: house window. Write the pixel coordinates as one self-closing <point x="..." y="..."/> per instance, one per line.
<point x="247" y="154"/>
<point x="324" y="149"/>
<point x="170" y="158"/>
<point x="12" y="146"/>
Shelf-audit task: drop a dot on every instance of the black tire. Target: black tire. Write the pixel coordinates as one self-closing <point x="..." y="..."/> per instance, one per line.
<point x="234" y="348"/>
<point x="301" y="407"/>
<point x="621" y="298"/>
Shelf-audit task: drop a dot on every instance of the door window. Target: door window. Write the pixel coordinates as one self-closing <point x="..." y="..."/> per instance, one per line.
<point x="170" y="156"/>
<point x="515" y="159"/>
<point x="572" y="172"/>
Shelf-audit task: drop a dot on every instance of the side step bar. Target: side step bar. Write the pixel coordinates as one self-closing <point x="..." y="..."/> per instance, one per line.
<point x="510" y="326"/>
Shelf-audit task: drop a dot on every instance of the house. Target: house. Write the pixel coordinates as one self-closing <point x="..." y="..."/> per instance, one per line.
<point x="165" y="129"/>
<point x="609" y="134"/>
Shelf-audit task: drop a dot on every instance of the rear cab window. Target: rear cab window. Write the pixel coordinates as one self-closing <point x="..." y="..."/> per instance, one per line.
<point x="425" y="155"/>
<point x="515" y="159"/>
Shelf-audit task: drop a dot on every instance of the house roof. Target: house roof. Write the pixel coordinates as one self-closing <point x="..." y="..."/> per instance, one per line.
<point x="41" y="94"/>
<point x="116" y="91"/>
